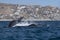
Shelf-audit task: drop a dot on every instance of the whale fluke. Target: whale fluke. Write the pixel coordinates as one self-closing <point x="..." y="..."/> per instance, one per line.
<point x="12" y="23"/>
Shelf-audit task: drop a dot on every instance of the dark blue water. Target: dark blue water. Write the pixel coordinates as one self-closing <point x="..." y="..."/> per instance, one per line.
<point x="46" y="30"/>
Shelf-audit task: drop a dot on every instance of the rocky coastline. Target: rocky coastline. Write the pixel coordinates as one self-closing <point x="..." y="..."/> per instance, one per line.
<point x="9" y="12"/>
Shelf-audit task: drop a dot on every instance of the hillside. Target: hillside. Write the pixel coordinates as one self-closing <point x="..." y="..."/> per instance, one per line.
<point x="10" y="12"/>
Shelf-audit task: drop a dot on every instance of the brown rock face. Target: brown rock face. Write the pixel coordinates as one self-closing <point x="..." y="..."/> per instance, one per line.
<point x="30" y="12"/>
<point x="7" y="8"/>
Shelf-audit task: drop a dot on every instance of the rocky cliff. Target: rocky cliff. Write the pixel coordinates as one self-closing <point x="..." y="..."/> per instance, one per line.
<point x="29" y="12"/>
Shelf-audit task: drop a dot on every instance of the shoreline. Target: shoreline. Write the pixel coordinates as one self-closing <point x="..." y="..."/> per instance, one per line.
<point x="29" y="20"/>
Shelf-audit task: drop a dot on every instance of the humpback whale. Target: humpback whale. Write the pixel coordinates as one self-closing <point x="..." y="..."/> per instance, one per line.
<point x="14" y="22"/>
<point x="18" y="22"/>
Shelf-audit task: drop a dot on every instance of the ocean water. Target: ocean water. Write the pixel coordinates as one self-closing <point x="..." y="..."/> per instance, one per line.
<point x="46" y="30"/>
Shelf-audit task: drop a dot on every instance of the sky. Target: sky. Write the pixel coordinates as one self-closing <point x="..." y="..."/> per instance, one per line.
<point x="33" y="2"/>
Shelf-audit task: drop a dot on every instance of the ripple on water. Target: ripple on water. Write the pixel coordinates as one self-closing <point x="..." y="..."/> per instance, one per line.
<point x="31" y="33"/>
